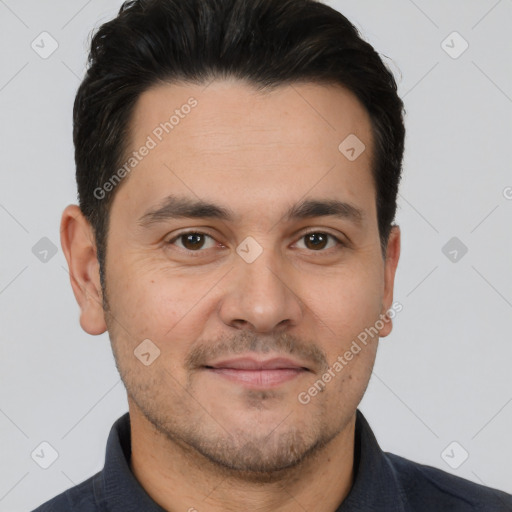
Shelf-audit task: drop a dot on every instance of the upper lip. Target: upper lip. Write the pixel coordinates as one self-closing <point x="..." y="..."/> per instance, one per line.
<point x="252" y="363"/>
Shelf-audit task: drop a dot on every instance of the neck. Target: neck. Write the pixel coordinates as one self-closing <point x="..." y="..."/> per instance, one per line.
<point x="178" y="478"/>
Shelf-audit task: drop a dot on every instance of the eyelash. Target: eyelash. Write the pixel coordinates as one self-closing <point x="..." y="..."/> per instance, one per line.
<point x="340" y="244"/>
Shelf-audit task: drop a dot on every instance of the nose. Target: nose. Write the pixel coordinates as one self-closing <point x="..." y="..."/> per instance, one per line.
<point x="261" y="297"/>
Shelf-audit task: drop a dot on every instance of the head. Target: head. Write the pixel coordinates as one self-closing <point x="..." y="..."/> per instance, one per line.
<point x="272" y="134"/>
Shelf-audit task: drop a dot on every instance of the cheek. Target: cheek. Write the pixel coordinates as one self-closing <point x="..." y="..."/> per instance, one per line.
<point x="348" y="302"/>
<point x="140" y="299"/>
<point x="153" y="303"/>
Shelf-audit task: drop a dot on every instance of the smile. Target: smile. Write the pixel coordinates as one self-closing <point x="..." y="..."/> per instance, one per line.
<point x="256" y="373"/>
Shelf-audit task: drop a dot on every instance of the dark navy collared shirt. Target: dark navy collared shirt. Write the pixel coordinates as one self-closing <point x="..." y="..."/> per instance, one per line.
<point x="383" y="482"/>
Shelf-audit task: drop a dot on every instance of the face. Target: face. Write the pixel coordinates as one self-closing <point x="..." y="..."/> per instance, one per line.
<point x="244" y="245"/>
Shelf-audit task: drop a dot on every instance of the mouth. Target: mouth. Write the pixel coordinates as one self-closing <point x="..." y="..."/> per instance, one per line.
<point x="257" y="373"/>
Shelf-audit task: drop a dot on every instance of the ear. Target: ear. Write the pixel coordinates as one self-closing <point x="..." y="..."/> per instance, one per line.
<point x="392" y="256"/>
<point x="79" y="247"/>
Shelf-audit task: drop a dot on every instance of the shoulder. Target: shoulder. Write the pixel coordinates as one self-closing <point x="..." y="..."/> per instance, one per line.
<point x="80" y="498"/>
<point x="429" y="488"/>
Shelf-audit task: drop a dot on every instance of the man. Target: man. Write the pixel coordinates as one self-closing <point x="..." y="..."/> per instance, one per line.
<point x="238" y="163"/>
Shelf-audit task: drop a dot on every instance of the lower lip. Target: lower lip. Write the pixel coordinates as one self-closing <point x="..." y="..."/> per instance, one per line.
<point x="258" y="378"/>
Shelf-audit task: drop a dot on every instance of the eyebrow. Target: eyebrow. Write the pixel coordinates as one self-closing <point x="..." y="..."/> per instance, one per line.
<point x="176" y="207"/>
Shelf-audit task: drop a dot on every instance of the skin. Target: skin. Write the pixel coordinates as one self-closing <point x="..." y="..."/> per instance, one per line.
<point x="201" y="441"/>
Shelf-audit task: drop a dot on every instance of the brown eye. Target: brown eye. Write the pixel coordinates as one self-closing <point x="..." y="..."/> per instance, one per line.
<point x="318" y="240"/>
<point x="191" y="241"/>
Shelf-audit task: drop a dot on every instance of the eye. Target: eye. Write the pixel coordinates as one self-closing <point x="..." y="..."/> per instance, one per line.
<point x="318" y="240"/>
<point x="192" y="241"/>
<point x="195" y="241"/>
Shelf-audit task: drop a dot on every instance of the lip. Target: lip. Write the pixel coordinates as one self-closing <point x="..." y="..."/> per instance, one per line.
<point x="257" y="373"/>
<point x="251" y="363"/>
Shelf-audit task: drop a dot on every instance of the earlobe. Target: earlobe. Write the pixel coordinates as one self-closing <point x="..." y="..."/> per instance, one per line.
<point x="390" y="265"/>
<point x="79" y="247"/>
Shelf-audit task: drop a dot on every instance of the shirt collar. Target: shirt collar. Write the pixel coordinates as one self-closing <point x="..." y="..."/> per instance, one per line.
<point x="376" y="486"/>
<point x="120" y="490"/>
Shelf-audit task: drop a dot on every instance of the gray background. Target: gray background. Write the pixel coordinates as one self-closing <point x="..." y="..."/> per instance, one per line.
<point x="444" y="373"/>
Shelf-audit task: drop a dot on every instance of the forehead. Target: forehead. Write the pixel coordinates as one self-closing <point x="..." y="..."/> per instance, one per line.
<point x="226" y="141"/>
